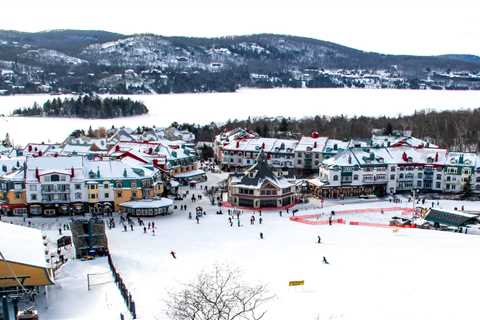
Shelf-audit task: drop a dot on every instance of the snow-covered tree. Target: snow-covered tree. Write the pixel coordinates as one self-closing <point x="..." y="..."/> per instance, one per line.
<point x="218" y="294"/>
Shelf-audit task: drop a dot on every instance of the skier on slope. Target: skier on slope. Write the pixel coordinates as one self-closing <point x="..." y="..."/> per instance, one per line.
<point x="174" y="255"/>
<point x="325" y="260"/>
<point x="319" y="240"/>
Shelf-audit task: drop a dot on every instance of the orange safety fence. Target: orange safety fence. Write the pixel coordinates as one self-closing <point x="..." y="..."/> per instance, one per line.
<point x="306" y="218"/>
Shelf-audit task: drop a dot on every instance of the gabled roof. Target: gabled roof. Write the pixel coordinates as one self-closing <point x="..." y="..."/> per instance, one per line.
<point x="259" y="173"/>
<point x="451" y="218"/>
<point x="22" y="245"/>
<point x="311" y="144"/>
<point x="115" y="170"/>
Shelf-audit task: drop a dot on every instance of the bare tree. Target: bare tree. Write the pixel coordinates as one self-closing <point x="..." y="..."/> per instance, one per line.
<point x="218" y="295"/>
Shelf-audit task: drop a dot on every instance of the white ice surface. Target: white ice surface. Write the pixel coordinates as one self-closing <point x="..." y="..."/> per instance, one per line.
<point x="219" y="107"/>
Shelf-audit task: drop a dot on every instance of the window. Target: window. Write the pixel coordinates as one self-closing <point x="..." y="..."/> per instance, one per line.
<point x="438" y="185"/>
<point x="420" y="175"/>
<point x="355" y="177"/>
<point x="439" y="176"/>
<point x="78" y="195"/>
<point x="335" y="178"/>
<point x="78" y="186"/>
<point x="119" y="194"/>
<point x="33" y="187"/>
<point x="392" y="177"/>
<point x="105" y="185"/>
<point x="392" y="169"/>
<point x="419" y="184"/>
<point x="18" y="195"/>
<point x="107" y="195"/>
<point x="299" y="161"/>
<point x="33" y="197"/>
<point x="54" y="178"/>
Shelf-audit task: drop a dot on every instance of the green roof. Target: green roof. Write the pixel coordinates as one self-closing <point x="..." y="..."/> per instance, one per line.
<point x="450" y="218"/>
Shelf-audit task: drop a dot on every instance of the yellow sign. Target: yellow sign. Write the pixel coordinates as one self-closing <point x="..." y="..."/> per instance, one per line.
<point x="296" y="283"/>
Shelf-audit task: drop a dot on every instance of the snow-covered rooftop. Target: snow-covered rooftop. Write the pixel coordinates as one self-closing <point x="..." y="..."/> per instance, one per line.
<point x="148" y="203"/>
<point x="22" y="245"/>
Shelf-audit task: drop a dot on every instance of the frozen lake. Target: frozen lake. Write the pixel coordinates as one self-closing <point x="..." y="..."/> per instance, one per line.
<point x="219" y="107"/>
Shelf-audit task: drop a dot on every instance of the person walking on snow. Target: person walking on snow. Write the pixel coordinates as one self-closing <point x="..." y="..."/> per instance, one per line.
<point x="319" y="240"/>
<point x="261" y="235"/>
<point x="325" y="260"/>
<point x="173" y="254"/>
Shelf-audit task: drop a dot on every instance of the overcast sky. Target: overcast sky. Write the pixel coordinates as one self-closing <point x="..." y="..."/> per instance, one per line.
<point x="405" y="26"/>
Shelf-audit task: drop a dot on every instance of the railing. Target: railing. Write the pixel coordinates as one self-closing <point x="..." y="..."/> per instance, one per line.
<point x="127" y="296"/>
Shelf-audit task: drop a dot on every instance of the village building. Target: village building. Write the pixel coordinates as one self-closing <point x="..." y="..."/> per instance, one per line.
<point x="22" y="263"/>
<point x="147" y="207"/>
<point x="309" y="152"/>
<point x="260" y="187"/>
<point x="243" y="153"/>
<point x="229" y="136"/>
<point x="174" y="159"/>
<point x="354" y="172"/>
<point x="75" y="185"/>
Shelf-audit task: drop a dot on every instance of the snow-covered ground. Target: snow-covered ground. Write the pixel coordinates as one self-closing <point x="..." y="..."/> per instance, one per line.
<point x="71" y="299"/>
<point x="219" y="107"/>
<point x="374" y="273"/>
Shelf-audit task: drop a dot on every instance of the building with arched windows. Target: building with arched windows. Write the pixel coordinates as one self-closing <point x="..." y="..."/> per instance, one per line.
<point x="261" y="187"/>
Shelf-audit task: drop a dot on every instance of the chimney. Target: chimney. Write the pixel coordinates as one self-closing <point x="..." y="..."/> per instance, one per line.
<point x="404" y="156"/>
<point x="37" y="174"/>
<point x="72" y="173"/>
<point x="29" y="148"/>
<point x="117" y="148"/>
<point x="315" y="145"/>
<point x="436" y="157"/>
<point x="150" y="150"/>
<point x="263" y="145"/>
<point x="238" y="144"/>
<point x="40" y="153"/>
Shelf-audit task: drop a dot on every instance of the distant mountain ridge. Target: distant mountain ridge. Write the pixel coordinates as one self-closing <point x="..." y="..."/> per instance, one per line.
<point x="250" y="49"/>
<point x="84" y="60"/>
